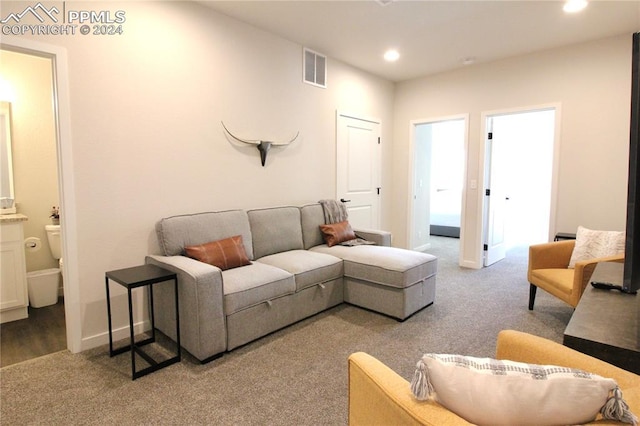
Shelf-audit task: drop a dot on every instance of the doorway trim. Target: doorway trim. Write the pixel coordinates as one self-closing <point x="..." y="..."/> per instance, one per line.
<point x="411" y="176"/>
<point x="480" y="219"/>
<point x="62" y="111"/>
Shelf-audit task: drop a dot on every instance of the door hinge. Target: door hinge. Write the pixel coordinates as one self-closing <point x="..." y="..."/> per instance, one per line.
<point x="487" y="192"/>
<point x="378" y="189"/>
<point x="490" y="136"/>
<point x="485" y="247"/>
<point x="378" y="140"/>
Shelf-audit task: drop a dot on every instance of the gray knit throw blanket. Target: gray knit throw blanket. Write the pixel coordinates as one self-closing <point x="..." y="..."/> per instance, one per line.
<point x="334" y="211"/>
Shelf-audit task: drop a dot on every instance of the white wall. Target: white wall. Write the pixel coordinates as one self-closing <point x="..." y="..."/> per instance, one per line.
<point x="145" y="111"/>
<point x="591" y="82"/>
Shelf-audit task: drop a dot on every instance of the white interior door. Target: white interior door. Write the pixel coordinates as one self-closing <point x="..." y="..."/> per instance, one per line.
<point x="496" y="199"/>
<point x="358" y="169"/>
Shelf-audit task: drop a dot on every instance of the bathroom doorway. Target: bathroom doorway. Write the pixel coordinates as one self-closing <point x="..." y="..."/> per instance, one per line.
<point x="27" y="82"/>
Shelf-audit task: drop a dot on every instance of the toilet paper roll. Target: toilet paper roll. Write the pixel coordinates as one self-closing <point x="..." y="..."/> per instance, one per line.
<point x="32" y="244"/>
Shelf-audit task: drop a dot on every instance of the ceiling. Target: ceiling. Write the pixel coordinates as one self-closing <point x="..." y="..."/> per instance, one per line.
<point x="431" y="36"/>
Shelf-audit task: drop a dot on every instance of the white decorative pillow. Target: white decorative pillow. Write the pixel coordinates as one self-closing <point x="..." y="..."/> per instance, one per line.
<point x="592" y="244"/>
<point x="486" y="391"/>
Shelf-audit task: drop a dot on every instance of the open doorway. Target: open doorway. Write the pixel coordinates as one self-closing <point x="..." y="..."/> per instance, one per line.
<point x="66" y="185"/>
<point x="519" y="170"/>
<point x="438" y="176"/>
<point x="28" y="86"/>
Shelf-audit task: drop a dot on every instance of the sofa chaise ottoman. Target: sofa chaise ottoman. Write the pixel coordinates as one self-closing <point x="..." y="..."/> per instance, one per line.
<point x="289" y="274"/>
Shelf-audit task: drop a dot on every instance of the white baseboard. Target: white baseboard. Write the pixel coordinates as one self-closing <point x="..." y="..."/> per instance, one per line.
<point x="118" y="334"/>
<point x="471" y="264"/>
<point x="423" y="247"/>
<point x="14" y="314"/>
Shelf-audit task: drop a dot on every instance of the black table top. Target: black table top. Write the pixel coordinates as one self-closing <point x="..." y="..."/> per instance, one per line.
<point x="140" y="275"/>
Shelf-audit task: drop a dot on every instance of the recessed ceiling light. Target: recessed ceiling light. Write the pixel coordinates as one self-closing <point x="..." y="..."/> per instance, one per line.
<point x="468" y="61"/>
<point x="391" y="55"/>
<point x="572" y="6"/>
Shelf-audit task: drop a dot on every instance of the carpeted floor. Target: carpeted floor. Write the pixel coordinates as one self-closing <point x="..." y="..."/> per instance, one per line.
<point x="297" y="376"/>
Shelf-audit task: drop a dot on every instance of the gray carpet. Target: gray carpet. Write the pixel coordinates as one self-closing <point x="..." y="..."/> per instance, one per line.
<point x="297" y="376"/>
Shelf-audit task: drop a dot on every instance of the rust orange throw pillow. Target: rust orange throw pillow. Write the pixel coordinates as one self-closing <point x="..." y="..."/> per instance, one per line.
<point x="225" y="254"/>
<point x="337" y="233"/>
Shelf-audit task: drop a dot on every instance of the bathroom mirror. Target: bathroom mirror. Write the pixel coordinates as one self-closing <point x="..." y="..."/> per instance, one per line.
<point x="6" y="165"/>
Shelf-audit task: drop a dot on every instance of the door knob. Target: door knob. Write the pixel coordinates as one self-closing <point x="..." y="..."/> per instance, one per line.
<point x="345" y="201"/>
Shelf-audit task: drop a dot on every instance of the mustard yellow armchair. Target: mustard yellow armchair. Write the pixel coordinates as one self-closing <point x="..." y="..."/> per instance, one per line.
<point x="549" y="270"/>
<point x="379" y="396"/>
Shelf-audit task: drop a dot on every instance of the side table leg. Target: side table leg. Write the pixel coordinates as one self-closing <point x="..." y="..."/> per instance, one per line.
<point x="153" y="317"/>
<point x="175" y="285"/>
<point x="106" y="283"/>
<point x="133" y="354"/>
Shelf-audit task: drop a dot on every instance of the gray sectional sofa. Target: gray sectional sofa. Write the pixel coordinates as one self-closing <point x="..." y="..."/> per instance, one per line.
<point x="293" y="274"/>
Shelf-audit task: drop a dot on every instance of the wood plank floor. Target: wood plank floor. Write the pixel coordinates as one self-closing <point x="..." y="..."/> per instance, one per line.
<point x="44" y="332"/>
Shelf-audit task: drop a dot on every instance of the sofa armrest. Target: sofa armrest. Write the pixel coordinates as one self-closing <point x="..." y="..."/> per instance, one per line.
<point x="379" y="396"/>
<point x="381" y="238"/>
<point x="202" y="322"/>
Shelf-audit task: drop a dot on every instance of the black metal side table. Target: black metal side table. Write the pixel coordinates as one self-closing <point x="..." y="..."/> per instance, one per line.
<point x="564" y="236"/>
<point x="130" y="278"/>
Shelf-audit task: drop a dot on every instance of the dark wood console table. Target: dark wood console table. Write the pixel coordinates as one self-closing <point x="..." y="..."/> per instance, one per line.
<point x="605" y="322"/>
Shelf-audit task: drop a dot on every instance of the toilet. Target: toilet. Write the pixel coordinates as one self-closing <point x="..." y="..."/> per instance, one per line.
<point x="55" y="245"/>
<point x="43" y="285"/>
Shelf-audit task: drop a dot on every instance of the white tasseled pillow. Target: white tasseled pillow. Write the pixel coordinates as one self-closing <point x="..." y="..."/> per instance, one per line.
<point x="486" y="391"/>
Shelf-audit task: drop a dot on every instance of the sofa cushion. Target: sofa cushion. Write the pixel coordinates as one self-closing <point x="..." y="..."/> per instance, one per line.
<point x="389" y="266"/>
<point x="592" y="244"/>
<point x="486" y="391"/>
<point x="312" y="217"/>
<point x="309" y="268"/>
<point x="336" y="233"/>
<point x="254" y="284"/>
<point x="275" y="230"/>
<point x="177" y="232"/>
<point x="225" y="254"/>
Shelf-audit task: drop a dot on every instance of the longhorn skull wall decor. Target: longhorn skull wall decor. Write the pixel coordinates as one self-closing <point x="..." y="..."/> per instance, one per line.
<point x="263" y="146"/>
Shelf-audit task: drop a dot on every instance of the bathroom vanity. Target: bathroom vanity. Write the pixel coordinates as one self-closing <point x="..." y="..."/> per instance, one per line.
<point x="14" y="299"/>
<point x="14" y="296"/>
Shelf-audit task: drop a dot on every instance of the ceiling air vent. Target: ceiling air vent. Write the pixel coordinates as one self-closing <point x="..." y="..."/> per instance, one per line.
<point x="314" y="69"/>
